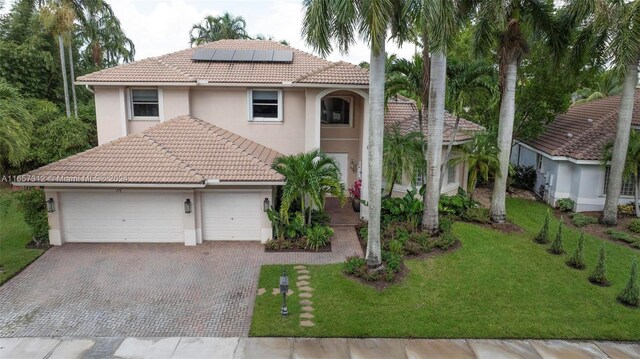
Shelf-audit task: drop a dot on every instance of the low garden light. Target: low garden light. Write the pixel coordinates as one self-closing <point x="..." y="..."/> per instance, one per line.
<point x="284" y="288"/>
<point x="51" y="205"/>
<point x="187" y="206"/>
<point x="266" y="204"/>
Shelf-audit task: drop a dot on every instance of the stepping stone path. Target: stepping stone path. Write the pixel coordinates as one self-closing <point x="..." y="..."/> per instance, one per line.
<point x="276" y="291"/>
<point x="305" y="292"/>
<point x="261" y="291"/>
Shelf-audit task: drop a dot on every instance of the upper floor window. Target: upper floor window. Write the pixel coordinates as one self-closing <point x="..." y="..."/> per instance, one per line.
<point x="145" y="103"/>
<point x="265" y="105"/>
<point x="336" y="111"/>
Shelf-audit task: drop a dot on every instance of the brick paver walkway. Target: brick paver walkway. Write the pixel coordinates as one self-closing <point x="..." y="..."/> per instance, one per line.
<point x="146" y="290"/>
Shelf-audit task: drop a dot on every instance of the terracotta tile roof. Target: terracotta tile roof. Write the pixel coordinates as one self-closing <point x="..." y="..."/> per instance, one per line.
<point x="178" y="67"/>
<point x="183" y="150"/>
<point x="403" y="112"/>
<point x="584" y="129"/>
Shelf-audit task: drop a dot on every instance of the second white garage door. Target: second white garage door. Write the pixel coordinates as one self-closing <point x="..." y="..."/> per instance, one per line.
<point x="231" y="216"/>
<point x="122" y="217"/>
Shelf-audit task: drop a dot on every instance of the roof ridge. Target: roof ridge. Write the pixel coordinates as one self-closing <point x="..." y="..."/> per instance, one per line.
<point x="315" y="71"/>
<point x="197" y="176"/>
<point x="174" y="68"/>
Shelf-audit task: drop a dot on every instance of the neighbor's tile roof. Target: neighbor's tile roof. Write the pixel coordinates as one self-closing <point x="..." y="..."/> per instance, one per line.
<point x="178" y="67"/>
<point x="403" y="112"/>
<point x="584" y="129"/>
<point x="183" y="150"/>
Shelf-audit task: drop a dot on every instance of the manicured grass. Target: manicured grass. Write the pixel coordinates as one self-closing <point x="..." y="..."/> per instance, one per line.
<point x="14" y="236"/>
<point x="495" y="286"/>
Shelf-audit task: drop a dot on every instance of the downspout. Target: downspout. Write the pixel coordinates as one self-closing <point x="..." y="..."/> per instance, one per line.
<point x="89" y="89"/>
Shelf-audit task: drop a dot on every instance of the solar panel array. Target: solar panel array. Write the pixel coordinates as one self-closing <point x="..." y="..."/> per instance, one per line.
<point x="226" y="55"/>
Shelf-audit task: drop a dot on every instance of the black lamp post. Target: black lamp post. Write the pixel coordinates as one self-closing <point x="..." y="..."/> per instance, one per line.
<point x="284" y="288"/>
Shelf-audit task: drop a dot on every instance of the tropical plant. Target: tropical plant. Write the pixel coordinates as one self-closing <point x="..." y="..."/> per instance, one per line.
<point x="354" y="190"/>
<point x="310" y="176"/>
<point x="405" y="77"/>
<point x="405" y="209"/>
<point x="32" y="204"/>
<point x="634" y="225"/>
<point x="317" y="237"/>
<point x="456" y="205"/>
<point x="15" y="127"/>
<point x="543" y="235"/>
<point x="565" y="204"/>
<point x="557" y="246"/>
<point x="524" y="176"/>
<point x="481" y="157"/>
<point x="609" y="84"/>
<point x="608" y="31"/>
<point x="580" y="220"/>
<point x="599" y="274"/>
<point x="214" y="28"/>
<point x="402" y="156"/>
<point x="506" y="27"/>
<point x="341" y="21"/>
<point x="631" y="169"/>
<point x="630" y="295"/>
<point x="277" y="222"/>
<point x="577" y="258"/>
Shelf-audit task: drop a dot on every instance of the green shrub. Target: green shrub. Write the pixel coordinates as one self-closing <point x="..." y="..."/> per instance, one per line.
<point x="364" y="232"/>
<point x="423" y="239"/>
<point x="354" y="264"/>
<point x="557" y="247"/>
<point x="626" y="209"/>
<point x="599" y="274"/>
<point x="318" y="237"/>
<point x="580" y="220"/>
<point x="455" y="205"/>
<point x="565" y="204"/>
<point x="543" y="235"/>
<point x="296" y="227"/>
<point x="524" y="177"/>
<point x="445" y="223"/>
<point x="634" y="225"/>
<point x="412" y="247"/>
<point x="278" y="244"/>
<point x="577" y="259"/>
<point x="478" y="215"/>
<point x="406" y="209"/>
<point x="32" y="204"/>
<point x="320" y="218"/>
<point x="630" y="295"/>
<point x="446" y="240"/>
<point x="622" y="236"/>
<point x="396" y="247"/>
<point x="392" y="260"/>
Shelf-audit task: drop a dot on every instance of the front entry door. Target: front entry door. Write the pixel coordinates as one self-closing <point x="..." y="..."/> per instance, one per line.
<point x="343" y="165"/>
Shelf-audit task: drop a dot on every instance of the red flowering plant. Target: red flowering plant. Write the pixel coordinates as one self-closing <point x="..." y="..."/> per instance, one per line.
<point x="354" y="190"/>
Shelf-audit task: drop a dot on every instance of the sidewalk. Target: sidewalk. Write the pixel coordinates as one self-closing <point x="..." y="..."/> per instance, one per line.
<point x="186" y="347"/>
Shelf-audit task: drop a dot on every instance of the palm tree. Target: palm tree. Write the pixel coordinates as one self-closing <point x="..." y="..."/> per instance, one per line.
<point x="507" y="26"/>
<point x="609" y="30"/>
<point x="405" y="77"/>
<point x="340" y="21"/>
<point x="609" y="84"/>
<point x="309" y="177"/>
<point x="214" y="28"/>
<point x="631" y="170"/>
<point x="402" y="156"/>
<point x="15" y="127"/>
<point x="466" y="81"/>
<point x="481" y="158"/>
<point x="104" y="41"/>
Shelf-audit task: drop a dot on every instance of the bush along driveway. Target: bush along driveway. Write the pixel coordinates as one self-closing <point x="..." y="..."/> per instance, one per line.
<point x="497" y="285"/>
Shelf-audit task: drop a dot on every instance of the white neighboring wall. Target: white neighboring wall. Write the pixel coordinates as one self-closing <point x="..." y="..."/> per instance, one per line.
<point x="582" y="181"/>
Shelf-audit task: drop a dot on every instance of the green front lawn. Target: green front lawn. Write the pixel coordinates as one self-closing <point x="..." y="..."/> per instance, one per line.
<point x="495" y="286"/>
<point x="14" y="236"/>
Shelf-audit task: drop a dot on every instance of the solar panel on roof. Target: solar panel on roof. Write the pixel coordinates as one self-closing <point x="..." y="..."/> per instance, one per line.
<point x="203" y="54"/>
<point x="243" y="55"/>
<point x="282" y="56"/>
<point x="222" y="55"/>
<point x="263" y="56"/>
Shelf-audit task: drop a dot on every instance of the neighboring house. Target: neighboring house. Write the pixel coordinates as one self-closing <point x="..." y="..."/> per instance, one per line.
<point x="567" y="156"/>
<point x="403" y="112"/>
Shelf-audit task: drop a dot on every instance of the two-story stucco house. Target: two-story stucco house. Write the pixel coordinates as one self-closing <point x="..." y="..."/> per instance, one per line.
<point x="186" y="142"/>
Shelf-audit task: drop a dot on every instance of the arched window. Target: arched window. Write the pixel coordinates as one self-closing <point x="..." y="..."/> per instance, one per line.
<point x="336" y="110"/>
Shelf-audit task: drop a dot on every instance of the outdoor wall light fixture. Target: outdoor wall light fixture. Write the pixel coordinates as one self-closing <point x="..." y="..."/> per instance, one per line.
<point x="266" y="204"/>
<point x="51" y="206"/>
<point x="284" y="288"/>
<point x="187" y="206"/>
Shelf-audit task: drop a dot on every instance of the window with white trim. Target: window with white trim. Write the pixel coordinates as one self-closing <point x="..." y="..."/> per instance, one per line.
<point x="265" y="105"/>
<point x="452" y="174"/>
<point x="627" y="188"/>
<point x="336" y="110"/>
<point x="145" y="103"/>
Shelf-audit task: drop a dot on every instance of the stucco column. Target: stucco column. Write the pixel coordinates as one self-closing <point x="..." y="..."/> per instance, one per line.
<point x="54" y="218"/>
<point x="189" y="221"/>
<point x="198" y="216"/>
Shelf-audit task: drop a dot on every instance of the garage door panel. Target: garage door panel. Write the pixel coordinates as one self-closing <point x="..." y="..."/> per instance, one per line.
<point x="122" y="217"/>
<point x="231" y="216"/>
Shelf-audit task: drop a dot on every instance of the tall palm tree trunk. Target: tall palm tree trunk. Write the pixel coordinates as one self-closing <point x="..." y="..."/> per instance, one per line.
<point x="449" y="148"/>
<point x="376" y="129"/>
<point x="63" y="66"/>
<point x="435" y="127"/>
<point x="620" y="145"/>
<point x="505" y="135"/>
<point x="73" y="78"/>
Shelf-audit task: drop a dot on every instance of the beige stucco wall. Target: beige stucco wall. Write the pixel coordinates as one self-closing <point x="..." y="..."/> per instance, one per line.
<point x="175" y="102"/>
<point x="109" y="113"/>
<point x="228" y="108"/>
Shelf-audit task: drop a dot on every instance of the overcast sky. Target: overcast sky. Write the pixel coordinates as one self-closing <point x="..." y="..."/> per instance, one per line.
<point x="160" y="27"/>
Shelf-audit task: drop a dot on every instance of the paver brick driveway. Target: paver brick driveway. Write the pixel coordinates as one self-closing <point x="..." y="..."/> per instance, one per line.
<point x="146" y="290"/>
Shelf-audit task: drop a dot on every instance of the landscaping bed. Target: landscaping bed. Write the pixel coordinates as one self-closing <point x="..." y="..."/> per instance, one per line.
<point x="588" y="223"/>
<point x="495" y="285"/>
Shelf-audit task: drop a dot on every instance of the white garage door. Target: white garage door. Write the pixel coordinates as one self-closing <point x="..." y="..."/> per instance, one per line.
<point x="122" y="217"/>
<point x="231" y="216"/>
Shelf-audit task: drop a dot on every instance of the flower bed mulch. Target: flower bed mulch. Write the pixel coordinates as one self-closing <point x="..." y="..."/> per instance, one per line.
<point x="600" y="230"/>
<point x="296" y="245"/>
